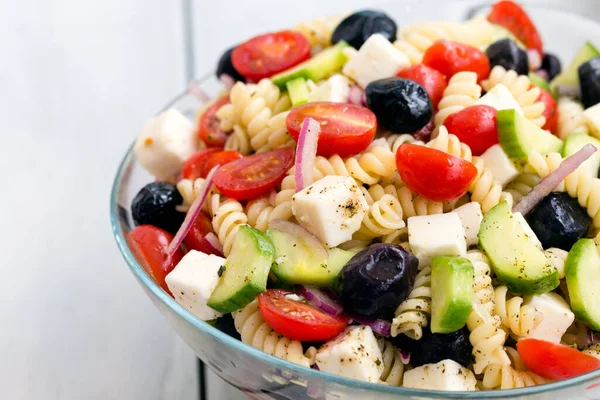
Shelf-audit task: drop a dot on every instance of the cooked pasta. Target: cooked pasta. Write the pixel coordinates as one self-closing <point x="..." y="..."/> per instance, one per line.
<point x="518" y="318"/>
<point x="258" y="212"/>
<point x="399" y="237"/>
<point x="522" y="185"/>
<point x="487" y="338"/>
<point x="485" y="190"/>
<point x="483" y="290"/>
<point x="570" y="118"/>
<point x="393" y="368"/>
<point x="413" y="204"/>
<point x="416" y="39"/>
<point x="275" y="134"/>
<point x="238" y="140"/>
<point x="522" y="90"/>
<point x="412" y="315"/>
<point x="558" y="259"/>
<point x="319" y="30"/>
<point x="396" y="140"/>
<point x="462" y="92"/>
<point x="383" y="218"/>
<point x="508" y="377"/>
<point x="227" y="216"/>
<point x="451" y="144"/>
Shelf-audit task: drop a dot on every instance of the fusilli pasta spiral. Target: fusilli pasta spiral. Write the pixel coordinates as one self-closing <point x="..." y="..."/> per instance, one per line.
<point x="393" y="368"/>
<point x="558" y="259"/>
<point x="570" y="118"/>
<point x="522" y="185"/>
<point x="227" y="215"/>
<point x="508" y="377"/>
<point x="238" y="140"/>
<point x="451" y="144"/>
<point x="487" y="338"/>
<point x="275" y="134"/>
<point x="462" y="92"/>
<point x="518" y="318"/>
<point x="413" y="313"/>
<point x="396" y="140"/>
<point x="482" y="285"/>
<point x="416" y="39"/>
<point x="319" y="30"/>
<point x="485" y="190"/>
<point x="383" y="218"/>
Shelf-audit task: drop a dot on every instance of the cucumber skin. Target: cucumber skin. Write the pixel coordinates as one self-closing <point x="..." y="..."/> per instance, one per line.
<point x="578" y="257"/>
<point x="298" y="91"/>
<point x="575" y="142"/>
<point x="514" y="137"/>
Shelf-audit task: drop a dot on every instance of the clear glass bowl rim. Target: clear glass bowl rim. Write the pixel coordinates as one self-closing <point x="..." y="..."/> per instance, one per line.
<point x="237" y="345"/>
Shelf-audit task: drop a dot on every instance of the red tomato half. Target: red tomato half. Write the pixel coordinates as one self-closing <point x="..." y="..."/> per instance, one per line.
<point x="149" y="246"/>
<point x="476" y="126"/>
<point x="555" y="361"/>
<point x="200" y="228"/>
<point x="550" y="112"/>
<point x="208" y="126"/>
<point x="513" y="17"/>
<point x="432" y="80"/>
<point x="346" y="129"/>
<point x="268" y="54"/>
<point x="434" y="174"/>
<point x="255" y="175"/>
<point x="451" y="57"/>
<point x="298" y="320"/>
<point x="193" y="167"/>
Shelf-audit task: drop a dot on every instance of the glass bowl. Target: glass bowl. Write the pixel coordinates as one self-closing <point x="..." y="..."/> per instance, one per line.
<point x="262" y="376"/>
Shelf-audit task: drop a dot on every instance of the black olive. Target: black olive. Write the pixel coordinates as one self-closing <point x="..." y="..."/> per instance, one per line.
<point x="506" y="53"/>
<point x="435" y="347"/>
<point x="155" y="205"/>
<point x="358" y="27"/>
<point x="589" y="79"/>
<point x="226" y="67"/>
<point x="401" y="105"/>
<point x="559" y="221"/>
<point x="551" y="64"/>
<point x="226" y="325"/>
<point x="377" y="279"/>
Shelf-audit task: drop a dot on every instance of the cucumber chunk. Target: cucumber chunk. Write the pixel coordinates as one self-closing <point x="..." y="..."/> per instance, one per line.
<point x="518" y="136"/>
<point x="516" y="259"/>
<point x="539" y="82"/>
<point x="570" y="76"/>
<point x="295" y="263"/>
<point x="582" y="272"/>
<point x="575" y="142"/>
<point x="316" y="68"/>
<point x="451" y="293"/>
<point x="298" y="90"/>
<point x="246" y="271"/>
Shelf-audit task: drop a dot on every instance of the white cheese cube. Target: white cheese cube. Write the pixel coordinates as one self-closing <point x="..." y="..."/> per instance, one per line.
<point x="332" y="209"/>
<point x="500" y="98"/>
<point x="376" y="59"/>
<point x="334" y="89"/>
<point x="593" y="350"/>
<point x="502" y="168"/>
<point x="558" y="317"/>
<point x="193" y="281"/>
<point x="592" y="116"/>
<point x="528" y="231"/>
<point x="436" y="235"/>
<point x="470" y="216"/>
<point x="353" y="354"/>
<point x="445" y="375"/>
<point x="165" y="143"/>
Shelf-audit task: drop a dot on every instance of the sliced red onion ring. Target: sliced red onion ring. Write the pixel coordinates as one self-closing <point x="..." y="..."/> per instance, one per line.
<point x="321" y="300"/>
<point x="424" y="134"/>
<point x="227" y="81"/>
<point x="404" y="357"/>
<point x="306" y="153"/>
<point x="212" y="242"/>
<point x="311" y="241"/>
<point x="542" y="73"/>
<point x="195" y="90"/>
<point x="192" y="213"/>
<point x="549" y="183"/>
<point x="535" y="59"/>
<point x="573" y="91"/>
<point x="355" y="95"/>
<point x="384" y="328"/>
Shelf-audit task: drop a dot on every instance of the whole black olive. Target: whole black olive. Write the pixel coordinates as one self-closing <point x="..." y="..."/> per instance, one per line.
<point x="559" y="221"/>
<point x="376" y="280"/>
<point x="551" y="64"/>
<point x="506" y="53"/>
<point x="435" y="347"/>
<point x="401" y="105"/>
<point x="589" y="79"/>
<point x="226" y="67"/>
<point x="358" y="27"/>
<point x="156" y="205"/>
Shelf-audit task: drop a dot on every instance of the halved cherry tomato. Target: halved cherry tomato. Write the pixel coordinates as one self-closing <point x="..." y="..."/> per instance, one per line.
<point x="434" y="174"/>
<point x="451" y="57"/>
<point x="199" y="229"/>
<point x="476" y="126"/>
<point x="268" y="54"/>
<point x="432" y="80"/>
<point x="298" y="320"/>
<point x="346" y="129"/>
<point x="220" y="158"/>
<point x="149" y="246"/>
<point x="208" y="126"/>
<point x="555" y="361"/>
<point x="513" y="17"/>
<point x="193" y="167"/>
<point x="255" y="175"/>
<point x="550" y="112"/>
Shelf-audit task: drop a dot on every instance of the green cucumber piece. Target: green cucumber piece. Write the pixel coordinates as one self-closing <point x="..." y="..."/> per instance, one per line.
<point x="582" y="272"/>
<point x="295" y="263"/>
<point x="298" y="90"/>
<point x="515" y="258"/>
<point x="575" y="142"/>
<point x="539" y="82"/>
<point x="320" y="66"/>
<point x="570" y="76"/>
<point x="451" y="293"/>
<point x="518" y="136"/>
<point x="246" y="271"/>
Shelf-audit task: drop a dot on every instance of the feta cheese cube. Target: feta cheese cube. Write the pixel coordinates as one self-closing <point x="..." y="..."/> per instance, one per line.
<point x="353" y="354"/>
<point x="557" y="317"/>
<point x="193" y="281"/>
<point x="376" y="59"/>
<point x="593" y="350"/>
<point x="528" y="231"/>
<point x="332" y="208"/>
<point x="500" y="98"/>
<point x="445" y="375"/>
<point x="436" y="235"/>
<point x="470" y="216"/>
<point x="502" y="168"/>
<point x="165" y="143"/>
<point x="334" y="89"/>
<point x="592" y="116"/>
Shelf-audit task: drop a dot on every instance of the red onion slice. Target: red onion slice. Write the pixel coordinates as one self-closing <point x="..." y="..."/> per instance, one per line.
<point x="404" y="357"/>
<point x="573" y="91"/>
<point x="212" y="242"/>
<point x="306" y="153"/>
<point x="321" y="300"/>
<point x="310" y="240"/>
<point x="542" y="73"/>
<point x="355" y="95"/>
<point x="192" y="213"/>
<point x="383" y="328"/>
<point x="549" y="183"/>
<point x="535" y="59"/>
<point x="195" y="90"/>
